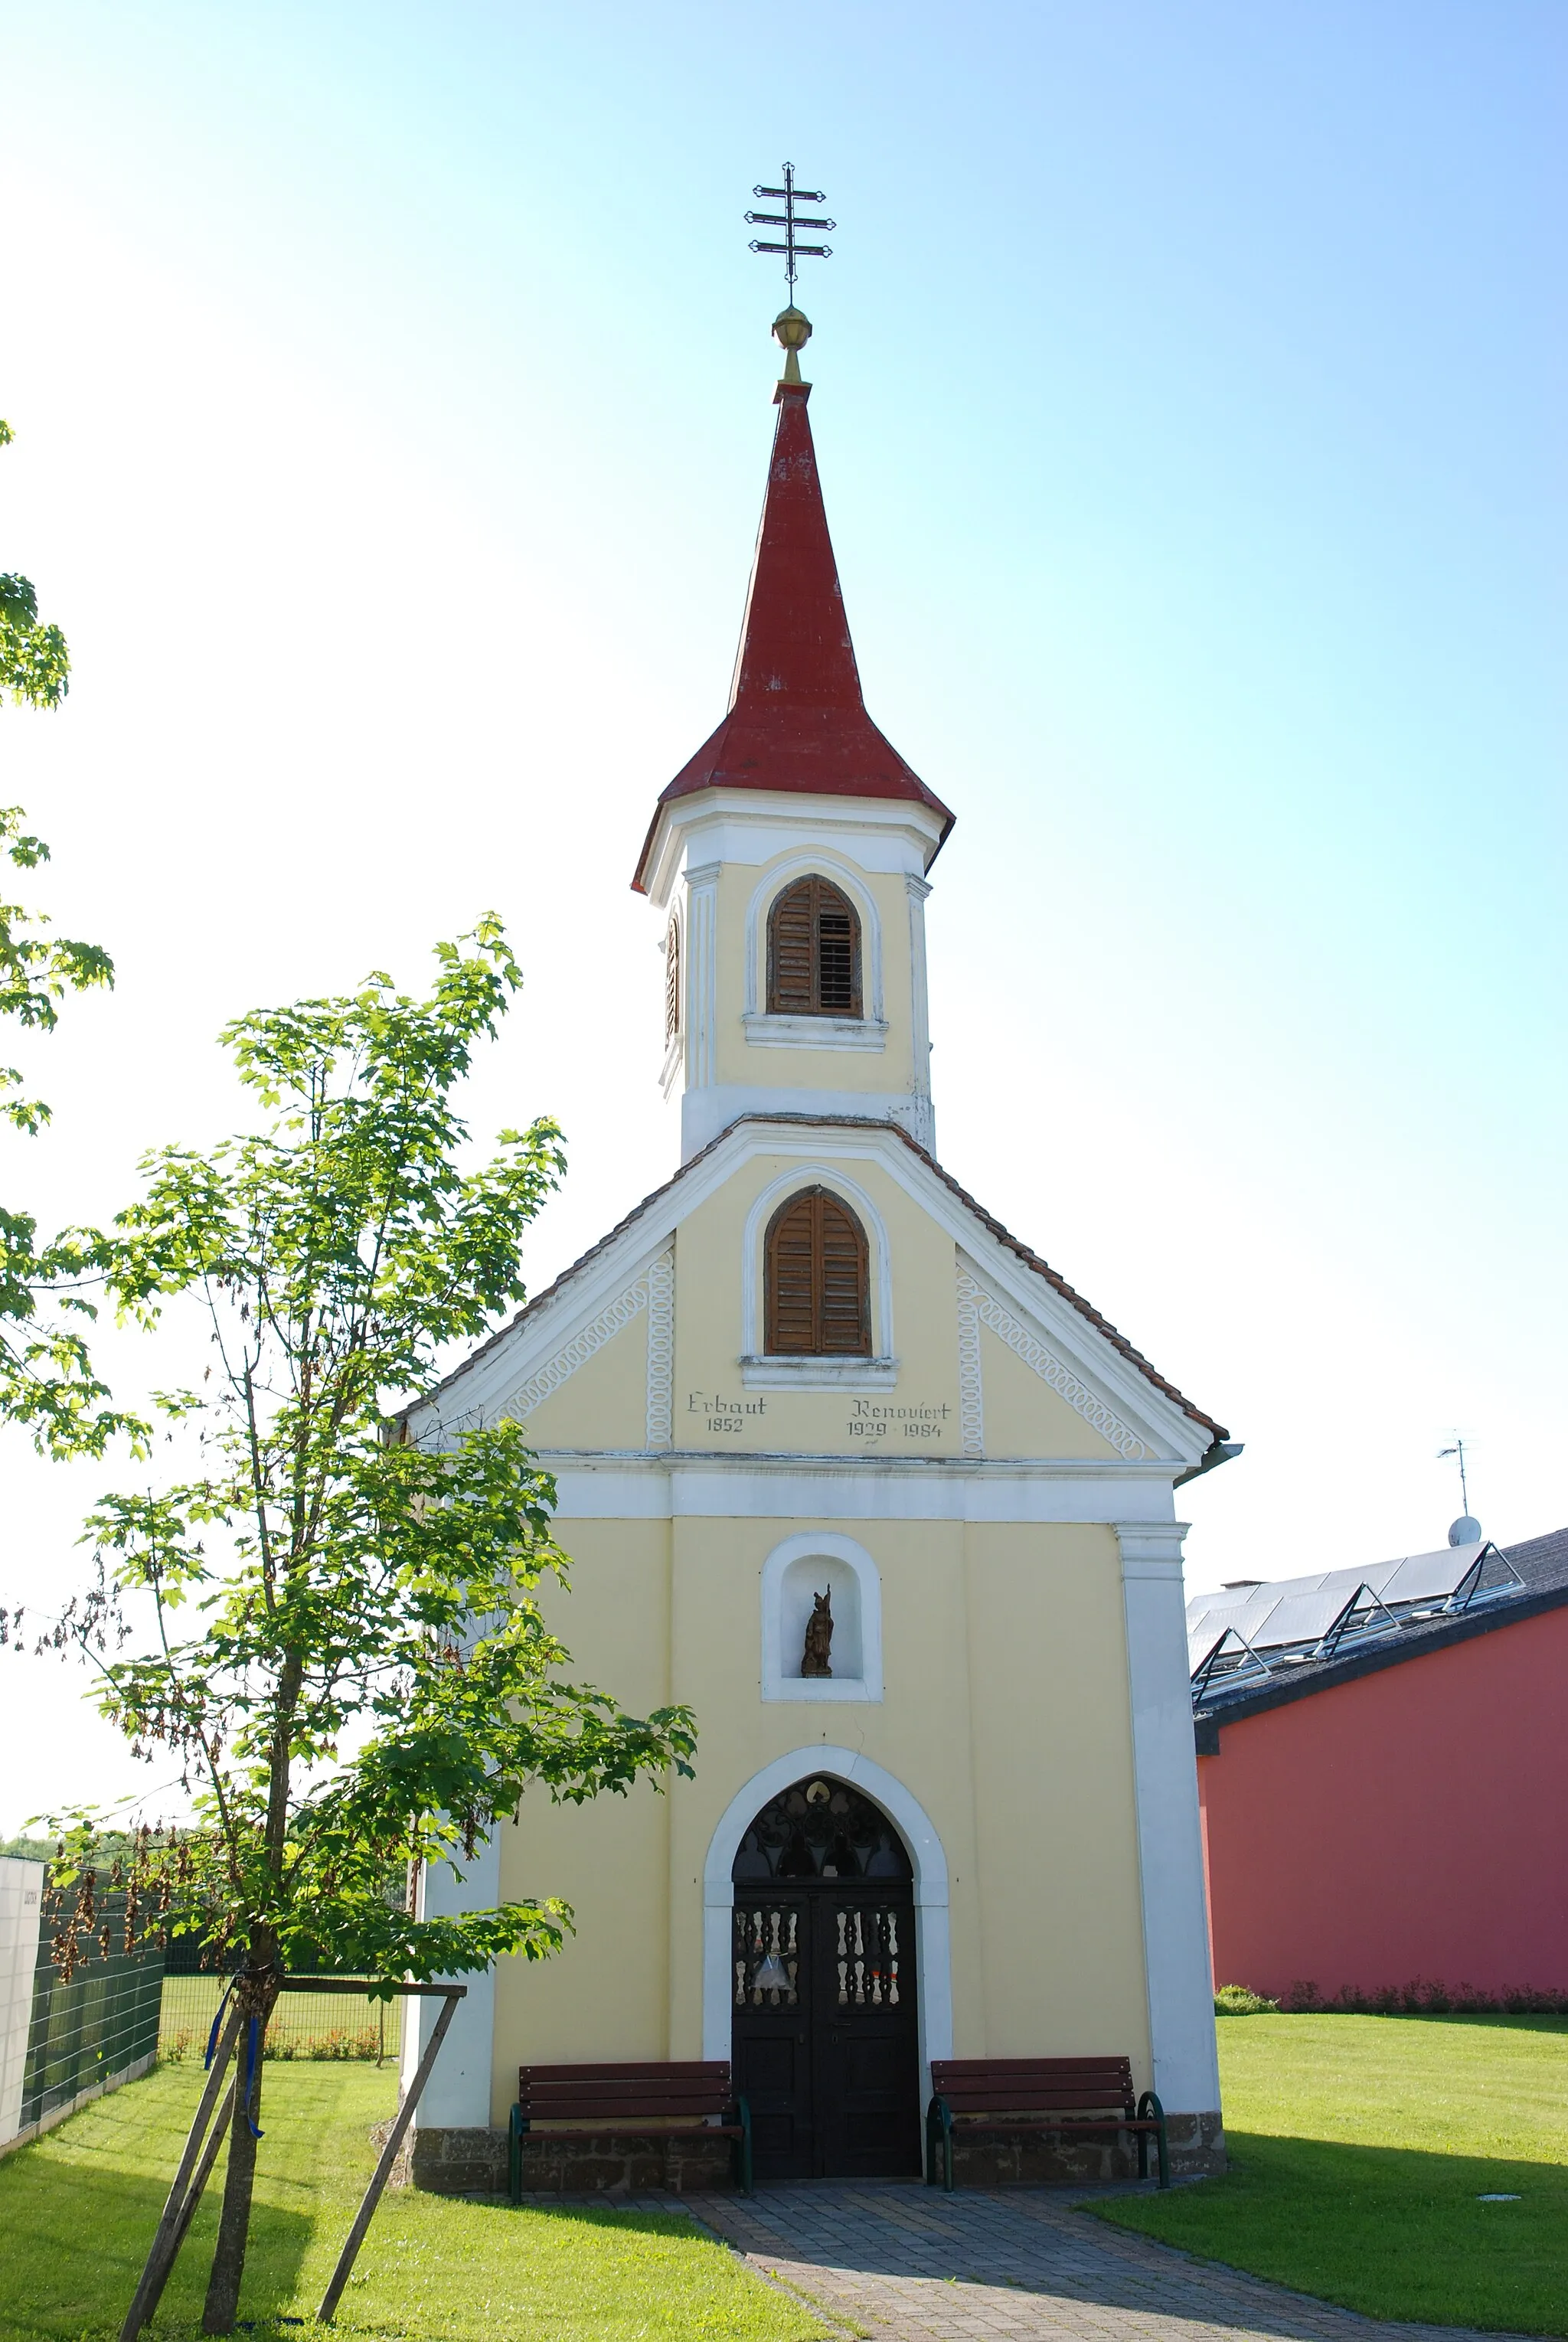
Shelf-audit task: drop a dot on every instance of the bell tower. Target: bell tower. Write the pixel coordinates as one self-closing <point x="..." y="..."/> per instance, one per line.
<point x="788" y="859"/>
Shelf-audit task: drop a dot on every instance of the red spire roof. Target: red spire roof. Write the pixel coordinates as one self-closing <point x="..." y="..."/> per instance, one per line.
<point x="796" y="719"/>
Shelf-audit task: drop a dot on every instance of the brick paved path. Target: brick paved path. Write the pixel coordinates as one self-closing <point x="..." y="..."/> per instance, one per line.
<point x="1017" y="2264"/>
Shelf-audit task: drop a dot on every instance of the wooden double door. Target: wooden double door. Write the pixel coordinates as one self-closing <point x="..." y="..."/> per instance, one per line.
<point x="825" y="2027"/>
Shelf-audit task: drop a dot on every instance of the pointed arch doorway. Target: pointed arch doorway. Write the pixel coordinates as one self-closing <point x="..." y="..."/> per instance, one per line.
<point x="824" y="2038"/>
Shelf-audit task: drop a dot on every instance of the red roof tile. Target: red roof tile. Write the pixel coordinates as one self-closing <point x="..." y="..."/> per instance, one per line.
<point x="796" y="719"/>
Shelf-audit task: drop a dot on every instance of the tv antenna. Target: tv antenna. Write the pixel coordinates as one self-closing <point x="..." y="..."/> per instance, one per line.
<point x="1466" y="1530"/>
<point x="789" y="219"/>
<point x="1457" y="1449"/>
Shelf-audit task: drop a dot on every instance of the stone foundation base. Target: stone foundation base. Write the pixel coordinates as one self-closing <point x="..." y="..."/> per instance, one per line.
<point x="474" y="2163"/>
<point x="1032" y="2154"/>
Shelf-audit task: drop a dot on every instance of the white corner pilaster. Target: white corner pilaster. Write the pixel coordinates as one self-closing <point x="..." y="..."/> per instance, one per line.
<point x="457" y="2095"/>
<point x="925" y="1118"/>
<point x="1170" y="1841"/>
<point x="702" y="973"/>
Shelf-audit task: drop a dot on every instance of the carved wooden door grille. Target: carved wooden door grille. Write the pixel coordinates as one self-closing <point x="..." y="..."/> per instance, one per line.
<point x="867" y="1956"/>
<point x="767" y="1955"/>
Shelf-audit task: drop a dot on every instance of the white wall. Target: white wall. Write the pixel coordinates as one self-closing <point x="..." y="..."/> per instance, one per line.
<point x="457" y="2095"/>
<point x="21" y="1904"/>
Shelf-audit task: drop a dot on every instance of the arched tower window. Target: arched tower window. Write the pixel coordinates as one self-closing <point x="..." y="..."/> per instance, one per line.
<point x="671" y="979"/>
<point x="816" y="1297"/>
<point x="814" y="952"/>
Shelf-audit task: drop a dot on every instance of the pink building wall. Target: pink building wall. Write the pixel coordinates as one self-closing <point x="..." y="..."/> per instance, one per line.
<point x="1412" y="1823"/>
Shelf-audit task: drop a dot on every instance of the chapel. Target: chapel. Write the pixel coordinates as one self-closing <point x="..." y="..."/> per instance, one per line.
<point x="853" y="1471"/>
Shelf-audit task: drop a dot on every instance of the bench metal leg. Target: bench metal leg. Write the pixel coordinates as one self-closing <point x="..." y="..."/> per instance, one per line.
<point x="516" y="2124"/>
<point x="939" y="2142"/>
<point x="1151" y="2110"/>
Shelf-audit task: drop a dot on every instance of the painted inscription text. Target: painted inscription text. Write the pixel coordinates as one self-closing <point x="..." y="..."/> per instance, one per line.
<point x="870" y="1421"/>
<point x="722" y="1414"/>
<point x="916" y="1424"/>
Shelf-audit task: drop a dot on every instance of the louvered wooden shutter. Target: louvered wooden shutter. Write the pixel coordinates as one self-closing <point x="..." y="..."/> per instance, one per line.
<point x="814" y="952"/>
<point x="671" y="979"/>
<point x="842" y="1313"/>
<point x="816" y="1302"/>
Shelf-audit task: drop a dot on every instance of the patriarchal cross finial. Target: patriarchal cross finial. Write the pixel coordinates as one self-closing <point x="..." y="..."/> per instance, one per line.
<point x="789" y="220"/>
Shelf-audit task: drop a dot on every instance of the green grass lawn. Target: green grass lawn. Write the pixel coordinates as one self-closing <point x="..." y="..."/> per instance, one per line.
<point x="1359" y="2148"/>
<point x="78" y="2212"/>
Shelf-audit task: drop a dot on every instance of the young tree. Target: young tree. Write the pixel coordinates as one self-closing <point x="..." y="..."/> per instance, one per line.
<point x="348" y="1656"/>
<point x="35" y="665"/>
<point x="47" y="1380"/>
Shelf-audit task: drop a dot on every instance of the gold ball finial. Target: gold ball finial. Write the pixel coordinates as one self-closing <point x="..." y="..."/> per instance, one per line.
<point x="792" y="331"/>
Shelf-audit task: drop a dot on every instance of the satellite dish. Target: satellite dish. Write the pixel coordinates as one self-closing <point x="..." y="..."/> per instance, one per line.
<point x="1466" y="1530"/>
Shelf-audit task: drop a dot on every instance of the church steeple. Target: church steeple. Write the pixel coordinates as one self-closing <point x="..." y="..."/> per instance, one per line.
<point x="796" y="721"/>
<point x="791" y="851"/>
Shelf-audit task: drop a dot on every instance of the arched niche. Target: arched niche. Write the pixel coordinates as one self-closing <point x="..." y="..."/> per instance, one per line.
<point x="818" y="1561"/>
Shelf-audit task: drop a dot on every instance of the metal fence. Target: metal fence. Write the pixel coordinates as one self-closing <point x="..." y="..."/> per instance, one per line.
<point x="122" y="2012"/>
<point x="95" y="2031"/>
<point x="302" y="2024"/>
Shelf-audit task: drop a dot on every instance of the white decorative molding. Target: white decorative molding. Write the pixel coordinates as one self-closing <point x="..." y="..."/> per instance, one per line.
<point x="844" y="874"/>
<point x="611" y="1320"/>
<point x="855" y="1490"/>
<point x="970" y="1399"/>
<point x="812" y="1032"/>
<point x="702" y="973"/>
<point x="920" y="1013"/>
<point x="816" y="1175"/>
<point x="933" y="1941"/>
<point x="858" y="1639"/>
<point x="819" y="1374"/>
<point x="1027" y="1346"/>
<point x="707" y="1114"/>
<point x="751" y="827"/>
<point x="662" y="1349"/>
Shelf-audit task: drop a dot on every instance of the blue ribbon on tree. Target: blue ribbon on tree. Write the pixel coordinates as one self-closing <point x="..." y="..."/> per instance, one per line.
<point x="253" y="2059"/>
<point x="217" y="2021"/>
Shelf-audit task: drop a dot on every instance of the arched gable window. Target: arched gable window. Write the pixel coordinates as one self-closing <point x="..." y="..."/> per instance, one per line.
<point x="816" y="1297"/>
<point x="814" y="952"/>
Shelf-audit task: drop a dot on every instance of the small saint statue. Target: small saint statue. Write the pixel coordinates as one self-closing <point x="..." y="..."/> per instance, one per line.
<point x="818" y="1637"/>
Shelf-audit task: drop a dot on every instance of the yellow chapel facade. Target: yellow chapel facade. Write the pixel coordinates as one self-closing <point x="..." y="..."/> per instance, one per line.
<point x="849" y="1468"/>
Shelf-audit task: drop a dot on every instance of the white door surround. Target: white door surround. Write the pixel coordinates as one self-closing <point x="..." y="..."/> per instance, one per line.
<point x="933" y="1948"/>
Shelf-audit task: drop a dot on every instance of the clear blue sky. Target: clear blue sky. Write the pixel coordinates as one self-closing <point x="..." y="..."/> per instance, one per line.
<point x="392" y="396"/>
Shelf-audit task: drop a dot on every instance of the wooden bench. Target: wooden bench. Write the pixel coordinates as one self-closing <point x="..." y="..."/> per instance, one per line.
<point x="593" y="2101"/>
<point x="1054" y="2094"/>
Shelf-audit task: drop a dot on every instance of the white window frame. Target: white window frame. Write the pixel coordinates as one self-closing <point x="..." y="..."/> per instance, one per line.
<point x="761" y="1371"/>
<point x="763" y="1031"/>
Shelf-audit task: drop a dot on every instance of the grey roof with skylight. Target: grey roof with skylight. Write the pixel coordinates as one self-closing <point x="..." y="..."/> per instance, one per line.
<point x="1254" y="1644"/>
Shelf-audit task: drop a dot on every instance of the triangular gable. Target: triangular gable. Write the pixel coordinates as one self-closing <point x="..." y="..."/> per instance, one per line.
<point x="1001" y="1284"/>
